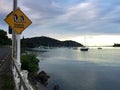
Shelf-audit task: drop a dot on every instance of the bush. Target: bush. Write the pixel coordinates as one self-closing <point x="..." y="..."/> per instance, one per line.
<point x="8" y="83"/>
<point x="30" y="62"/>
<point x="4" y="40"/>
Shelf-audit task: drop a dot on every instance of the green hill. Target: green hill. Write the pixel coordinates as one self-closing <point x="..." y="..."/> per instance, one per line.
<point x="47" y="41"/>
<point x="116" y="45"/>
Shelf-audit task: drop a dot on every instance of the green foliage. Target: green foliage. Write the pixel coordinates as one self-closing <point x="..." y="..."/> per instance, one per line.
<point x="8" y="82"/>
<point x="30" y="63"/>
<point x="4" y="40"/>
<point x="2" y="33"/>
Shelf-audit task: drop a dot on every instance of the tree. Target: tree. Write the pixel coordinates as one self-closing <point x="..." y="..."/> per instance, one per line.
<point x="30" y="63"/>
<point x="4" y="40"/>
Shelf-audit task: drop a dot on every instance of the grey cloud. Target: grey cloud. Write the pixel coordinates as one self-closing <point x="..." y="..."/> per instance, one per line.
<point x="2" y="17"/>
<point x="44" y="10"/>
<point x="99" y="16"/>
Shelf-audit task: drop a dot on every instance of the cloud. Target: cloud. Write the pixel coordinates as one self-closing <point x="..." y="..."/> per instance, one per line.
<point x="43" y="11"/>
<point x="85" y="11"/>
<point x="113" y="16"/>
<point x="77" y="18"/>
<point x="5" y="7"/>
<point x="68" y="17"/>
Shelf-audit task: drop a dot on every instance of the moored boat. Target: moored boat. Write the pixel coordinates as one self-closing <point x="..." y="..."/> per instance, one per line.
<point x="84" y="48"/>
<point x="99" y="48"/>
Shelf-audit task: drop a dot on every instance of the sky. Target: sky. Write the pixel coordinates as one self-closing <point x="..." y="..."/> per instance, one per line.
<point x="96" y="20"/>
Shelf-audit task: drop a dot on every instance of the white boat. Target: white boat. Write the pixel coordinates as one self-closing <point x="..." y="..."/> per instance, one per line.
<point x="99" y="48"/>
<point x="84" y="48"/>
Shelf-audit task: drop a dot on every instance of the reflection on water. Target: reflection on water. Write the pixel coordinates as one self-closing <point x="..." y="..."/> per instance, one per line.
<point x="76" y="70"/>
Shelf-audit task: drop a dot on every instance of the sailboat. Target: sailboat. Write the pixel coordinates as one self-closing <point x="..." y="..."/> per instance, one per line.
<point x="99" y="48"/>
<point x="84" y="48"/>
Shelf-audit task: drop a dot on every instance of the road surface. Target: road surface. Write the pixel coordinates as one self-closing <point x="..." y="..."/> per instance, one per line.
<point x="5" y="64"/>
<point x="5" y="57"/>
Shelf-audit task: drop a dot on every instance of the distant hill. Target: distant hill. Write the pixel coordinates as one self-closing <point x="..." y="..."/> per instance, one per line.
<point x="116" y="45"/>
<point x="47" y="41"/>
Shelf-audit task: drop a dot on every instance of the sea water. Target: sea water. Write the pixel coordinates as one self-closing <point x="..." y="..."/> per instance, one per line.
<point x="78" y="70"/>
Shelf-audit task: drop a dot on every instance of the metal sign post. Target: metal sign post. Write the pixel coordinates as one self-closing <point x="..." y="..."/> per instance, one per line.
<point x="16" y="40"/>
<point x="18" y="21"/>
<point x="14" y="47"/>
<point x="18" y="50"/>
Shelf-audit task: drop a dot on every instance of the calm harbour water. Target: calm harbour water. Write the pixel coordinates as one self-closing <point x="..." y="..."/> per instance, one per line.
<point x="76" y="70"/>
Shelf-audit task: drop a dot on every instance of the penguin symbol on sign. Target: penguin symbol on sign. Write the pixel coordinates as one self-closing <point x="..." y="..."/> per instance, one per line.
<point x="15" y="18"/>
<point x="19" y="19"/>
<point x="22" y="20"/>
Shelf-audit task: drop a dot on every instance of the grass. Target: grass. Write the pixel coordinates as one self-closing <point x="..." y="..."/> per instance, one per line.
<point x="8" y="82"/>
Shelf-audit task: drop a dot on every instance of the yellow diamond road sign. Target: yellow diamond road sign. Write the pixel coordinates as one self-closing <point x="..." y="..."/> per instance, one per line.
<point x="18" y="21"/>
